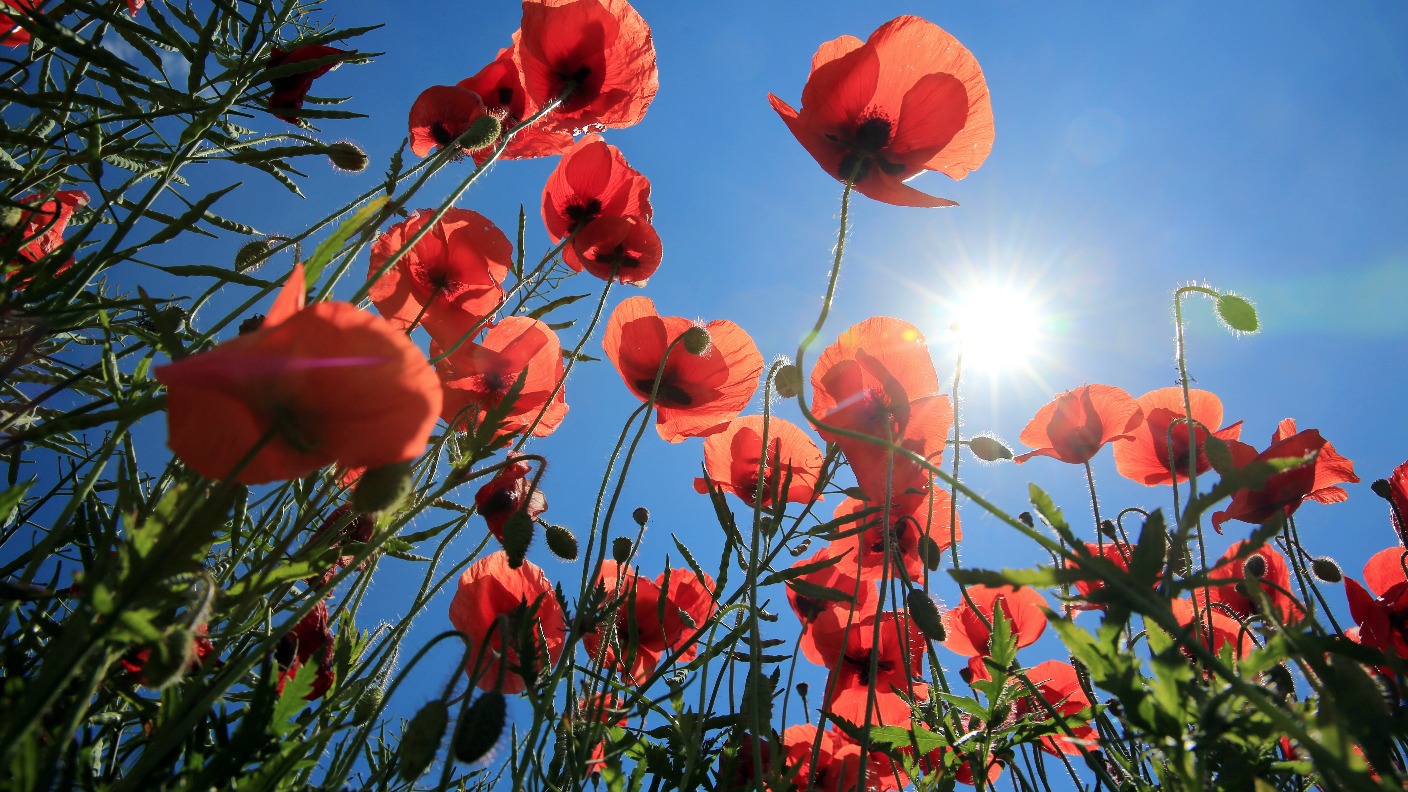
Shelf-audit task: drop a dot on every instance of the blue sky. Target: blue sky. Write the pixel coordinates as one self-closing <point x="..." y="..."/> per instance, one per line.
<point x="1255" y="147"/>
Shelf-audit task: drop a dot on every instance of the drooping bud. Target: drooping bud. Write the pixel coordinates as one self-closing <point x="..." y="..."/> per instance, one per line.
<point x="561" y="542"/>
<point x="1254" y="566"/>
<point x="788" y="381"/>
<point x="1237" y="313"/>
<point x="482" y="133"/>
<point x="382" y="487"/>
<point x="924" y="612"/>
<point x="367" y="706"/>
<point x="1326" y="569"/>
<point x="481" y="724"/>
<point x="621" y="549"/>
<point x="930" y="553"/>
<point x="348" y="156"/>
<point x="641" y="515"/>
<point x="695" y="340"/>
<point x="421" y="740"/>
<point x="989" y="449"/>
<point x="252" y="254"/>
<point x="518" y="535"/>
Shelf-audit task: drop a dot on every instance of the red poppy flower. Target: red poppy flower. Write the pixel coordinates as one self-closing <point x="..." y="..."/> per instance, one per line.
<point x="500" y="85"/>
<point x="837" y="765"/>
<point x="449" y="281"/>
<point x="290" y="90"/>
<point x="11" y="33"/>
<point x="1145" y="458"/>
<point x="912" y="516"/>
<point x="1385" y="570"/>
<point x="133" y="6"/>
<point x="735" y="462"/>
<point x="841" y="577"/>
<point x="312" y="386"/>
<point x="970" y="637"/>
<point x="1079" y="422"/>
<point x="1117" y="553"/>
<point x="1285" y="490"/>
<point x="877" y="379"/>
<point x="509" y="492"/>
<point x="440" y="115"/>
<point x="909" y="99"/>
<point x="601" y="708"/>
<point x="598" y="52"/>
<point x="1227" y="633"/>
<point x="200" y="654"/>
<point x="848" y="646"/>
<point x="477" y="377"/>
<point x="592" y="180"/>
<point x="309" y="641"/>
<point x="43" y="230"/>
<point x="653" y="618"/>
<point x="1059" y="685"/>
<point x="528" y="629"/>
<point x="696" y="393"/>
<point x="624" y="248"/>
<point x="1233" y="595"/>
<point x="341" y="527"/>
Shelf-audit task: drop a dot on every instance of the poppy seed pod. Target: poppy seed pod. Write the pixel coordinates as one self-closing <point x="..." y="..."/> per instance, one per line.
<point x="348" y="156"/>
<point x="641" y="515"/>
<point x="621" y="549"/>
<point x="695" y="340"/>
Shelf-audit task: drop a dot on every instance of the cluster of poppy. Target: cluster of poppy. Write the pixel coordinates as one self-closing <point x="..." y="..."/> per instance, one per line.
<point x="1381" y="612"/>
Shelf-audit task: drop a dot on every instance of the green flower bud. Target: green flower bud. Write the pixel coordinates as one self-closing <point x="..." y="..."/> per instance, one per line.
<point x="788" y="381"/>
<point x="1237" y="313"/>
<point x="381" y="488"/>
<point x="695" y="340"/>
<point x="367" y="706"/>
<point x="561" y="542"/>
<point x="348" y="156"/>
<point x="518" y="535"/>
<point x="483" y="133"/>
<point x="1326" y="569"/>
<point x="989" y="449"/>
<point x="930" y="553"/>
<point x="925" y="614"/>
<point x="252" y="254"/>
<point x="481" y="724"/>
<point x="421" y="740"/>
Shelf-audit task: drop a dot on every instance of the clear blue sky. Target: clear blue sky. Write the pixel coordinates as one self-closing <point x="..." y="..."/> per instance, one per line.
<point x="1257" y="147"/>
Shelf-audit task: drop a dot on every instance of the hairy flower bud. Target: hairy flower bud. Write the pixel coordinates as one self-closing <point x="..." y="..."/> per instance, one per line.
<point x="1326" y="569"/>
<point x="695" y="340"/>
<point x="925" y="614"/>
<point x="382" y="487"/>
<point x="989" y="449"/>
<point x="482" y="133"/>
<point x="367" y="706"/>
<point x="421" y="740"/>
<point x="930" y="553"/>
<point x="348" y="156"/>
<point x="481" y="724"/>
<point x="561" y="542"/>
<point x="788" y="381"/>
<point x="1108" y="528"/>
<point x="252" y="254"/>
<point x="1254" y="566"/>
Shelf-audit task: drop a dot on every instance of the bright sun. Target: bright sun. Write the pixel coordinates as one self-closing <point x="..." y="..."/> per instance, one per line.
<point x="1000" y="326"/>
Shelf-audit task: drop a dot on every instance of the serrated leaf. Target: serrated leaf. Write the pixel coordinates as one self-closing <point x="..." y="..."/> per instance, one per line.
<point x="1048" y="511"/>
<point x="1040" y="577"/>
<point x="561" y="302"/>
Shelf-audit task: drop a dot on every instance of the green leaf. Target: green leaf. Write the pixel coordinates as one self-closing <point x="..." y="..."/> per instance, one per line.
<point x="10" y="501"/>
<point x="794" y="572"/>
<point x="1048" y="511"/>
<point x="816" y="592"/>
<point x="1040" y="577"/>
<point x="560" y="302"/>
<point x="900" y="737"/>
<point x="290" y="703"/>
<point x="328" y="248"/>
<point x="209" y="271"/>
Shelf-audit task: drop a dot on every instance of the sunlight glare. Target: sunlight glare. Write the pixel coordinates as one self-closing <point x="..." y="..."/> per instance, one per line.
<point x="1001" y="326"/>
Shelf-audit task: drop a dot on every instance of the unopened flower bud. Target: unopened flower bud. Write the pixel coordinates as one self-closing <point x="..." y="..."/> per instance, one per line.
<point x="252" y="254"/>
<point x="788" y="381"/>
<point x="251" y="324"/>
<point x="367" y="706"/>
<point x="930" y="553"/>
<point x="989" y="449"/>
<point x="621" y="549"/>
<point x="421" y="740"/>
<point x="481" y="724"/>
<point x="925" y="614"/>
<point x="518" y="535"/>
<point x="767" y="525"/>
<point x="561" y="542"/>
<point x="1326" y="569"/>
<point x="382" y="487"/>
<point x="695" y="340"/>
<point x="482" y="133"/>
<point x="1237" y="313"/>
<point x="1255" y="566"/>
<point x="1382" y="488"/>
<point x="348" y="156"/>
<point x="641" y="515"/>
<point x="171" y="658"/>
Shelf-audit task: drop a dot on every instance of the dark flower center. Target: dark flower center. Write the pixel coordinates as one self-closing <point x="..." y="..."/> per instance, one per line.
<point x="580" y="211"/>
<point x="500" y="502"/>
<point x="505" y="96"/>
<point x="441" y="135"/>
<point x="873" y="134"/>
<point x="669" y="394"/>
